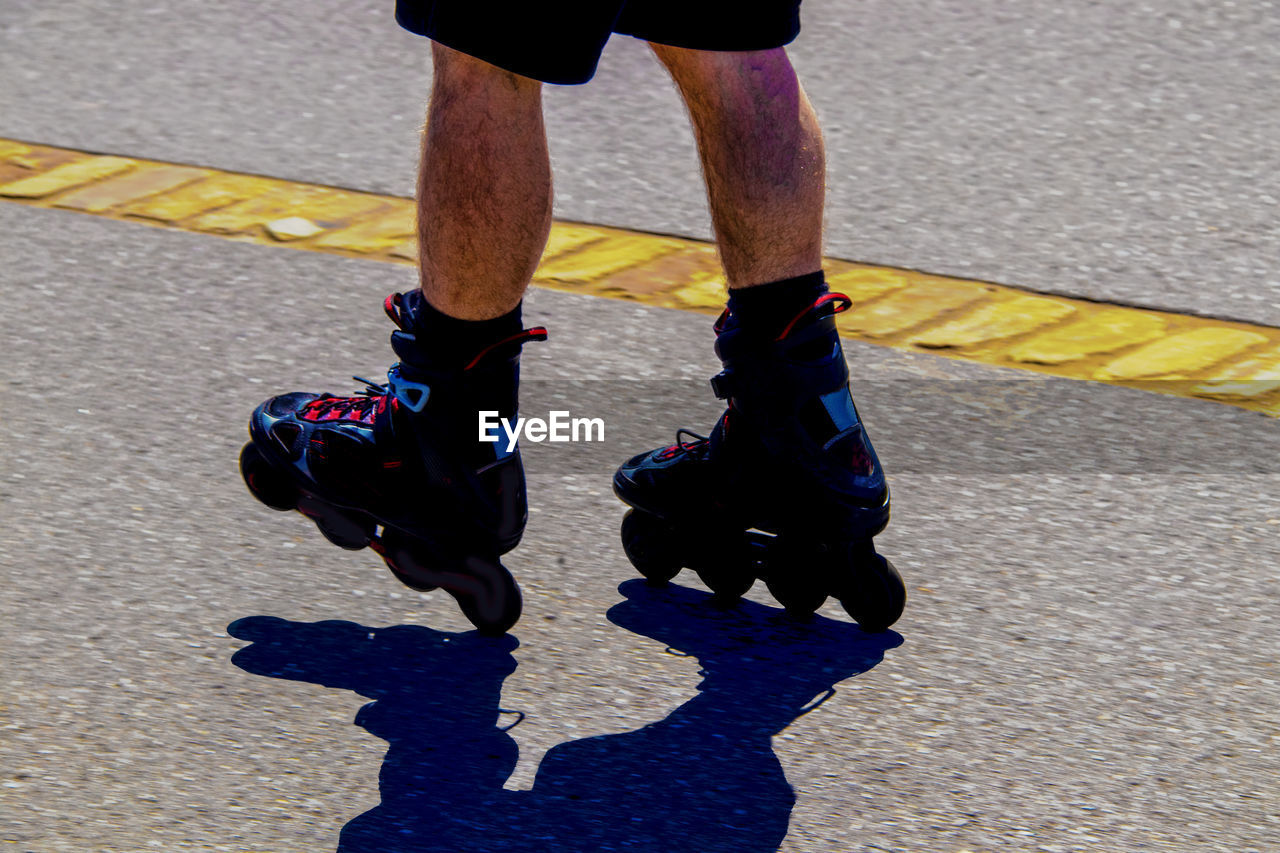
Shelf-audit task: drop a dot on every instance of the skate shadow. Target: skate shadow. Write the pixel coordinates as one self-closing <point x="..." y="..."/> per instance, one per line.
<point x="705" y="778"/>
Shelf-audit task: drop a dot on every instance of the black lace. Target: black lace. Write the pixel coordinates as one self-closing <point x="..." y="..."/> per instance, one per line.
<point x="699" y="442"/>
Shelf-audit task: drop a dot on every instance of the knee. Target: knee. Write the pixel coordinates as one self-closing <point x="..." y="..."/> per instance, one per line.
<point x="460" y="71"/>
<point x="708" y="67"/>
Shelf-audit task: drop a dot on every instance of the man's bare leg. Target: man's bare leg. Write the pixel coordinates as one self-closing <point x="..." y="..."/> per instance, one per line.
<point x="762" y="156"/>
<point x="484" y="189"/>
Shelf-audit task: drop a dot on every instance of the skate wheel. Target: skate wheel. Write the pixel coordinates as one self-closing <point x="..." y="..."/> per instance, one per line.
<point x="399" y="555"/>
<point x="726" y="562"/>
<point x="728" y="583"/>
<point x="651" y="545"/>
<point x="487" y="595"/>
<point x="873" y="594"/>
<point x="793" y="577"/>
<point x="348" y="529"/>
<point x="797" y="594"/>
<point x="266" y="483"/>
<point x="485" y="591"/>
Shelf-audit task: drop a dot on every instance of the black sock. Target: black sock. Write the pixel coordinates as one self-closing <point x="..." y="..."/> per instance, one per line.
<point x="453" y="341"/>
<point x="766" y="309"/>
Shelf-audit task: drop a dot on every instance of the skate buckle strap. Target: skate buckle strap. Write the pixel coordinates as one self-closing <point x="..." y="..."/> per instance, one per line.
<point x="724" y="384"/>
<point x="839" y="405"/>
<point x="844" y="415"/>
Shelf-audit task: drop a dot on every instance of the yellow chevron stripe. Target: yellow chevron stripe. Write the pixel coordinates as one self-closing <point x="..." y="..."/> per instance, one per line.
<point x="1180" y="354"/>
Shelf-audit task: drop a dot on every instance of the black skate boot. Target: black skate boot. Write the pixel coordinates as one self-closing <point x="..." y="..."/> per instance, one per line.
<point x="400" y="469"/>
<point x="787" y="487"/>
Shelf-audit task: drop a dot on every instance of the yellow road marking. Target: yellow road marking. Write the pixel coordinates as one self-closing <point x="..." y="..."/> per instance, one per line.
<point x="1180" y="354"/>
<point x="77" y="173"/>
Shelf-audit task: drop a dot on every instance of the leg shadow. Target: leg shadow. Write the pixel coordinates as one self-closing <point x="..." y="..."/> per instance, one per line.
<point x="703" y="779"/>
<point x="706" y="777"/>
<point x="436" y="703"/>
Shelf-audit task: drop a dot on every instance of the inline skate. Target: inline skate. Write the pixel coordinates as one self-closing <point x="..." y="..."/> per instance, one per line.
<point x="787" y="487"/>
<point x="399" y="468"/>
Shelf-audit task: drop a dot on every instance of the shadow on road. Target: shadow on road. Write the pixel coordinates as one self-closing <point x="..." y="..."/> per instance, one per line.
<point x="703" y="779"/>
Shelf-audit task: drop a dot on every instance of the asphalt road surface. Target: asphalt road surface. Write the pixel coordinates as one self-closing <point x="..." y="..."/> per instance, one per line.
<point x="1088" y="660"/>
<point x="1117" y="150"/>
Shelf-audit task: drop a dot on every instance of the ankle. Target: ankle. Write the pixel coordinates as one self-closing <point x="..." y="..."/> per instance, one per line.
<point x="766" y="309"/>
<point x="453" y="342"/>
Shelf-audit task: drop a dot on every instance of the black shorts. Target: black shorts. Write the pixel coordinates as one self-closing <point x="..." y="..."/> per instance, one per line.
<point x="559" y="41"/>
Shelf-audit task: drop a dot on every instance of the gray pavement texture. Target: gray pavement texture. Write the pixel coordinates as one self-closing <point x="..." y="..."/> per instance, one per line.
<point x="1113" y="150"/>
<point x="1087" y="661"/>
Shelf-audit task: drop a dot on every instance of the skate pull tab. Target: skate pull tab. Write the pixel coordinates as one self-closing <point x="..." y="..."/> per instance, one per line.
<point x="392" y="305"/>
<point x="817" y="703"/>
<point x="721" y="321"/>
<point x="533" y="333"/>
<point x="412" y="395"/>
<point x="826" y="305"/>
